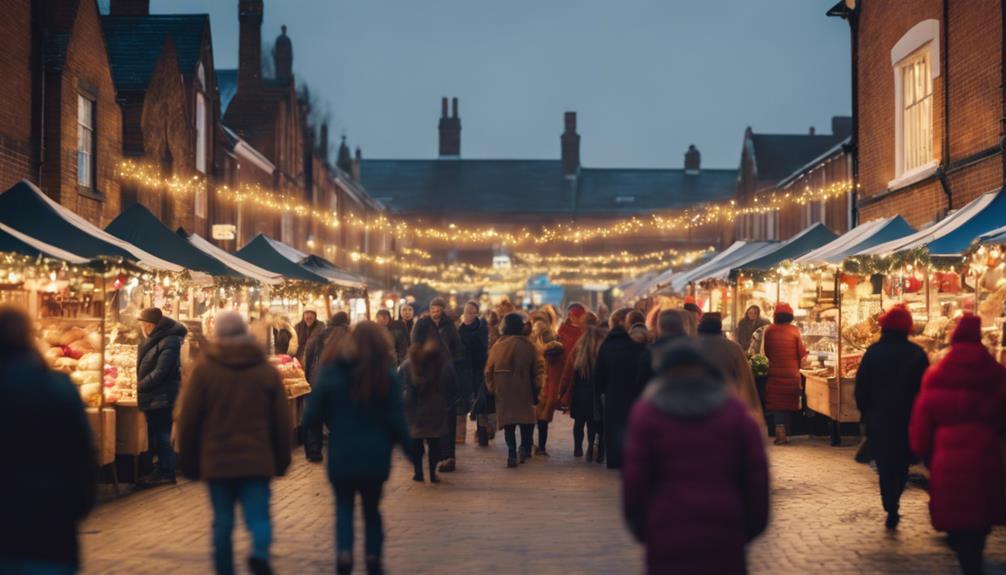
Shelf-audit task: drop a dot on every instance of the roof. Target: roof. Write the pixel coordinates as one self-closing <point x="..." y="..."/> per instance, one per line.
<point x="536" y="186"/>
<point x="833" y="152"/>
<point x="804" y="242"/>
<point x="777" y="156"/>
<point x="14" y="241"/>
<point x="135" y="44"/>
<point x="227" y="86"/>
<point x="235" y="263"/>
<point x="717" y="268"/>
<point x="273" y="256"/>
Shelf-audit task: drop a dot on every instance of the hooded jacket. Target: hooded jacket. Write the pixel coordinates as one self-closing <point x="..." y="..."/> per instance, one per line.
<point x="785" y="351"/>
<point x="695" y="483"/>
<point x="235" y="419"/>
<point x="159" y="366"/>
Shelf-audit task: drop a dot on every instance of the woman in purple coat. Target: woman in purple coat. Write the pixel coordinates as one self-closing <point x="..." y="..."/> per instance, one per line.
<point x="695" y="476"/>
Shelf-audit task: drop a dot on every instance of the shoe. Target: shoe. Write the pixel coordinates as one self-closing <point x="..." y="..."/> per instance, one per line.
<point x="600" y="453"/>
<point x="780" y="435"/>
<point x="344" y="565"/>
<point x="892" y="521"/>
<point x="511" y="462"/>
<point x="590" y="452"/>
<point x="418" y="477"/>
<point x="542" y="452"/>
<point x="447" y="466"/>
<point x="315" y="458"/>
<point x="434" y="478"/>
<point x="578" y="450"/>
<point x="374" y="566"/>
<point x="259" y="566"/>
<point x="524" y="457"/>
<point x="483" y="436"/>
<point x="155" y="480"/>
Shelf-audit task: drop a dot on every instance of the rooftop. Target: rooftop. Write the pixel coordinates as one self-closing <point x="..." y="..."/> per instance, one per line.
<point x="135" y="43"/>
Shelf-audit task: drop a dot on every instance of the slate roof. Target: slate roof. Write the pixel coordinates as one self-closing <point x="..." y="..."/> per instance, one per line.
<point x="434" y="187"/>
<point x="779" y="155"/>
<point x="135" y="44"/>
<point x="227" y="86"/>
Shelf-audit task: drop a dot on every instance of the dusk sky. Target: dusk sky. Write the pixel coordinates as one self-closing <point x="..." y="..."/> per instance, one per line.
<point x="647" y="77"/>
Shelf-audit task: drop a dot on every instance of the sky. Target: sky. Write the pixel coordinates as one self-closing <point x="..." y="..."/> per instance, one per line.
<point x="646" y="77"/>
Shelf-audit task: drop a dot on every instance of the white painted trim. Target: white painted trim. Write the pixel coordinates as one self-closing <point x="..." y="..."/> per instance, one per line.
<point x="925" y="31"/>
<point x="913" y="176"/>
<point x="245" y="151"/>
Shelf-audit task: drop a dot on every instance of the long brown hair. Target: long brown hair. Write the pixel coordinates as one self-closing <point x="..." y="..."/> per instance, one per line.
<point x="427" y="362"/>
<point x="585" y="351"/>
<point x="367" y="349"/>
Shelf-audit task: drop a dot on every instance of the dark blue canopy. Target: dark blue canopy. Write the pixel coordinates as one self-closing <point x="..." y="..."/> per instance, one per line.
<point x="262" y="251"/>
<point x="800" y="244"/>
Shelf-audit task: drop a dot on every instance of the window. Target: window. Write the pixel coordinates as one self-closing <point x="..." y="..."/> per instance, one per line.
<point x="201" y="156"/>
<point x="286" y="228"/>
<point x="85" y="142"/>
<point x="199" y="198"/>
<point x="916" y="111"/>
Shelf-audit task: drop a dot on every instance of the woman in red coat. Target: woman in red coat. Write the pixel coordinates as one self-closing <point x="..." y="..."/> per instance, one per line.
<point x="957" y="424"/>
<point x="785" y="350"/>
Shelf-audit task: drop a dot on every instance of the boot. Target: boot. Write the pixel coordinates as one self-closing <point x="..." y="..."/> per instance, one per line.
<point x="433" y="472"/>
<point x="344" y="564"/>
<point x="600" y="451"/>
<point x="483" y="436"/>
<point x="448" y="465"/>
<point x="374" y="565"/>
<point x="524" y="456"/>
<point x="578" y="450"/>
<point x="780" y="435"/>
<point x="511" y="460"/>
<point x="462" y="430"/>
<point x="259" y="566"/>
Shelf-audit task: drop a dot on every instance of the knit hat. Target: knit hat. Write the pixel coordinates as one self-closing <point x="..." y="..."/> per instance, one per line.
<point x="969" y="330"/>
<point x="783" y="307"/>
<point x="229" y="324"/>
<point x="151" y="315"/>
<point x="513" y="324"/>
<point x="897" y="319"/>
<point x="576" y="309"/>
<point x="711" y="323"/>
<point x="439" y="302"/>
<point x="783" y="313"/>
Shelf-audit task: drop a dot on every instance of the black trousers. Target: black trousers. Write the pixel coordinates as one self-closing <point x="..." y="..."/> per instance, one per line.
<point x="969" y="547"/>
<point x="893" y="477"/>
<point x="433" y="445"/>
<point x="526" y="431"/>
<point x="542" y="435"/>
<point x="593" y="430"/>
<point x="313" y="439"/>
<point x="447" y="447"/>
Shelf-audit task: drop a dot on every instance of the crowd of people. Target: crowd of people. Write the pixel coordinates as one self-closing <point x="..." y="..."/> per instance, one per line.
<point x="666" y="397"/>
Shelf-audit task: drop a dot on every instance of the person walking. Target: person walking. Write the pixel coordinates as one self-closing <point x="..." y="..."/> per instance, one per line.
<point x="430" y="382"/>
<point x="158" y="379"/>
<point x="515" y="376"/>
<point x="785" y="350"/>
<point x="732" y="361"/>
<point x="748" y="325"/>
<point x="49" y="452"/>
<point x="576" y="392"/>
<point x="305" y="330"/>
<point x="407" y="321"/>
<point x="359" y="398"/>
<point x="234" y="433"/>
<point x="887" y="382"/>
<point x="695" y="484"/>
<point x="474" y="335"/>
<point x="322" y="340"/>
<point x="399" y="334"/>
<point x="616" y="379"/>
<point x="553" y="351"/>
<point x="444" y="326"/>
<point x="956" y="428"/>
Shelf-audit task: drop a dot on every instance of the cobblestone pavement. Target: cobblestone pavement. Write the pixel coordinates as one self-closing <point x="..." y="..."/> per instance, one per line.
<point x="550" y="516"/>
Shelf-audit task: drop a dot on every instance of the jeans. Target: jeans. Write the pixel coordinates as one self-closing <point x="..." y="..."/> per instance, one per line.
<point x="417" y="455"/>
<point x="345" y="500"/>
<point x="542" y="435"/>
<point x="593" y="430"/>
<point x="447" y="447"/>
<point x="893" y="477"/>
<point x="510" y="431"/>
<point x="253" y="493"/>
<point x="159" y="439"/>
<point x="614" y="436"/>
<point x="969" y="546"/>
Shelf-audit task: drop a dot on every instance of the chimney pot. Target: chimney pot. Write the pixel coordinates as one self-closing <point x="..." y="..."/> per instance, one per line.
<point x="443" y="107"/>
<point x="357" y="160"/>
<point x="569" y="119"/>
<point x="693" y="161"/>
<point x="450" y="131"/>
<point x="812" y="131"/>
<point x="454" y="107"/>
<point x="570" y="144"/>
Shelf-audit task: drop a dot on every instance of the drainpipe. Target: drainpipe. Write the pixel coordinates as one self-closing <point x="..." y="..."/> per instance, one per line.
<point x="941" y="171"/>
<point x="854" y="138"/>
<point x="1002" y="71"/>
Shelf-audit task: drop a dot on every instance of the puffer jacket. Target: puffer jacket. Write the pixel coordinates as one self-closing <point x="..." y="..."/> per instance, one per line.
<point x="159" y="367"/>
<point x="785" y="350"/>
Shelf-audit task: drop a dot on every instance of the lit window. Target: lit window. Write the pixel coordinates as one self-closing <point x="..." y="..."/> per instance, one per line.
<point x="85" y="142"/>
<point x="201" y="131"/>
<point x="286" y="228"/>
<point x="916" y="109"/>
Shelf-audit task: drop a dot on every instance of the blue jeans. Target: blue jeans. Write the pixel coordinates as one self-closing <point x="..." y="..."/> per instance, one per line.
<point x="159" y="439"/>
<point x="35" y="568"/>
<point x="253" y="492"/>
<point x="345" y="501"/>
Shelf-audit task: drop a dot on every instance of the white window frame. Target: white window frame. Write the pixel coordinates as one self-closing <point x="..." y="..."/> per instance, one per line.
<point x="921" y="41"/>
<point x="86" y="164"/>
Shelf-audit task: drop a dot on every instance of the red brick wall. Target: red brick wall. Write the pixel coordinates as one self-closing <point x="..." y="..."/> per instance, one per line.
<point x="16" y="97"/>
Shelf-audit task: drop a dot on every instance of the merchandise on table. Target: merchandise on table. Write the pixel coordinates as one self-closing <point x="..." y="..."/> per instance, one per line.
<point x="292" y="374"/>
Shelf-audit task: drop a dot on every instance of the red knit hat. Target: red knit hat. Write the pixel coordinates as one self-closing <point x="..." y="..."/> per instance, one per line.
<point x="897" y="319"/>
<point x="783" y="307"/>
<point x="969" y="329"/>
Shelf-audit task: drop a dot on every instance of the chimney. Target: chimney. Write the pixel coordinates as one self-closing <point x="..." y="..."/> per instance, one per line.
<point x="450" y="131"/>
<point x="812" y="131"/>
<point x="250" y="47"/>
<point x="343" y="161"/>
<point x="693" y="161"/>
<point x="129" y="8"/>
<point x="570" y="146"/>
<point x="357" y="160"/>
<point x="323" y="142"/>
<point x="282" y="55"/>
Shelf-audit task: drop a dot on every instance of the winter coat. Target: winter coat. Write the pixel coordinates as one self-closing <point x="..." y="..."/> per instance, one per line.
<point x="618" y="384"/>
<point x="576" y="391"/>
<point x="957" y="426"/>
<point x="785" y="350"/>
<point x="361" y="434"/>
<point x="554" y="353"/>
<point x="304" y="334"/>
<point x="746" y="329"/>
<point x="695" y="480"/>
<point x="644" y="370"/>
<point x="400" y="337"/>
<point x="515" y="375"/>
<point x="235" y="419"/>
<point x="474" y="340"/>
<point x="427" y="400"/>
<point x="887" y="382"/>
<point x="159" y="366"/>
<point x="51" y="474"/>
<point x="734" y="362"/>
<point x="316" y="347"/>
<point x="448" y="334"/>
<point x="281" y="341"/>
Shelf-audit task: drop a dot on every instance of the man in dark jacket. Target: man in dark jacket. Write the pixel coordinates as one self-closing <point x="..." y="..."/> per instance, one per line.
<point x="616" y="381"/>
<point x="407" y="321"/>
<point x="158" y="378"/>
<point x="397" y="332"/>
<point x="474" y="336"/>
<point x="234" y="433"/>
<point x="887" y="382"/>
<point x="439" y="320"/>
<point x="336" y="327"/>
<point x="306" y="328"/>
<point x="49" y="454"/>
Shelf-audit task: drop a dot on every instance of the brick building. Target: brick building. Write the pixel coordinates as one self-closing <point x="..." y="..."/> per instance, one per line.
<point x="832" y="169"/>
<point x="928" y="81"/>
<point x="166" y="86"/>
<point x="18" y="115"/>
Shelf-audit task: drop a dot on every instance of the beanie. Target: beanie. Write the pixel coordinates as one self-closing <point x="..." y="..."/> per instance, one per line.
<point x="151" y="315"/>
<point x="513" y="324"/>
<point x="229" y="324"/>
<point x="969" y="330"/>
<point x="711" y="323"/>
<point x="897" y="319"/>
